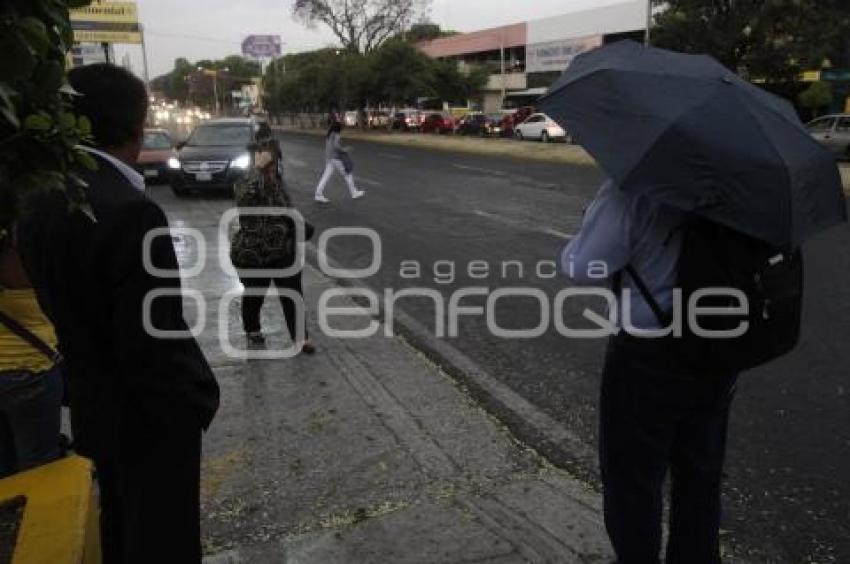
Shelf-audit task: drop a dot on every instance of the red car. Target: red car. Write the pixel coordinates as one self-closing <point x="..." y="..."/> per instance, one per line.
<point x="515" y="118"/>
<point x="157" y="148"/>
<point x="438" y="123"/>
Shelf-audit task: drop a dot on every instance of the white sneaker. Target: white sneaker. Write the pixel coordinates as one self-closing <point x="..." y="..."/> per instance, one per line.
<point x="358" y="194"/>
<point x="322" y="200"/>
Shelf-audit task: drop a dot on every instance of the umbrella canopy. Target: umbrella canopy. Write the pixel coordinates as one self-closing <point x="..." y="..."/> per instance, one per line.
<point x="687" y="131"/>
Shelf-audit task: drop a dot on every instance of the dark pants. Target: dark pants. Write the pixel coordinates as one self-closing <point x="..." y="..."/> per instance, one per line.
<point x="150" y="490"/>
<point x="251" y="305"/>
<point x="30" y="415"/>
<point x="654" y="417"/>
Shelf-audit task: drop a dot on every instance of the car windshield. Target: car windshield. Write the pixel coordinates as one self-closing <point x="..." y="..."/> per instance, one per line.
<point x="220" y="136"/>
<point x="156" y="141"/>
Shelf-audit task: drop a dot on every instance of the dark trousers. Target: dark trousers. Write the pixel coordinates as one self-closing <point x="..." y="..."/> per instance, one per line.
<point x="150" y="491"/>
<point x="654" y="417"/>
<point x="30" y="415"/>
<point x="251" y="305"/>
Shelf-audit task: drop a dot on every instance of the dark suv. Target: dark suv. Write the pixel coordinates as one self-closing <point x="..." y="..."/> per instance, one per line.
<point x="214" y="156"/>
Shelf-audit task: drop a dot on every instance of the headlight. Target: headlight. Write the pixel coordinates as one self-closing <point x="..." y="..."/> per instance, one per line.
<point x="173" y="163"/>
<point x="243" y="162"/>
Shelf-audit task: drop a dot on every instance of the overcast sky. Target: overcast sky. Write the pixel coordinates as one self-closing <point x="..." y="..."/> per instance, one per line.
<point x="213" y="29"/>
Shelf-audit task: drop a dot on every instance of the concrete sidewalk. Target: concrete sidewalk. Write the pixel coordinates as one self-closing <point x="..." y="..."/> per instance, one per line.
<point x="367" y="452"/>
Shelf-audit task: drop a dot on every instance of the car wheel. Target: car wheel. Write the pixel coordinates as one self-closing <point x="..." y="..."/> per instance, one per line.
<point x="518" y="135"/>
<point x="544" y="137"/>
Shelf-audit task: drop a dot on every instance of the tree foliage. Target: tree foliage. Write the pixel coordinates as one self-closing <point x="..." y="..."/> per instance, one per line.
<point x="38" y="131"/>
<point x="397" y="73"/>
<point x="817" y="96"/>
<point x="770" y="39"/>
<point x="189" y="85"/>
<point x="361" y="25"/>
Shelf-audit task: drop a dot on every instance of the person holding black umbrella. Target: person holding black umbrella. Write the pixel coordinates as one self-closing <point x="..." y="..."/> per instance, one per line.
<point x="713" y="186"/>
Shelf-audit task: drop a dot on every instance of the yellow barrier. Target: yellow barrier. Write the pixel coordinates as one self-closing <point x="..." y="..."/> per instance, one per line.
<point x="59" y="524"/>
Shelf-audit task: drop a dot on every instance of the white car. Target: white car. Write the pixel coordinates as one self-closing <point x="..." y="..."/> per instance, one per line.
<point x="350" y="119"/>
<point x="540" y="126"/>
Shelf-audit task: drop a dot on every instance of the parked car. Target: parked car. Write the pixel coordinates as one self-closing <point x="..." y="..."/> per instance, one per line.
<point x="438" y="122"/>
<point x="407" y="120"/>
<point x="157" y="147"/>
<point x="514" y="117"/>
<point x="540" y="126"/>
<point x="214" y="156"/>
<point x="350" y="119"/>
<point x="478" y="123"/>
<point x="833" y="132"/>
<point x="378" y="119"/>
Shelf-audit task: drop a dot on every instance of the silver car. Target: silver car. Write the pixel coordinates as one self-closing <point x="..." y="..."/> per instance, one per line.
<point x="833" y="132"/>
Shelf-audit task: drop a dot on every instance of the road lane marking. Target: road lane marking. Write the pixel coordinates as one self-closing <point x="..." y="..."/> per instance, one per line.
<point x="295" y="162"/>
<point x="367" y="181"/>
<point x="392" y="156"/>
<point x="479" y="169"/>
<point x="515" y="223"/>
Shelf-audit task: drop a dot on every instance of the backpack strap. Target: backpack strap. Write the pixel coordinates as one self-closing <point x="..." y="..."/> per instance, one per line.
<point x="662" y="317"/>
<point x="30" y="337"/>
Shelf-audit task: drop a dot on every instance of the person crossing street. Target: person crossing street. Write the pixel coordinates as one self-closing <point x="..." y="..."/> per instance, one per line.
<point x="337" y="157"/>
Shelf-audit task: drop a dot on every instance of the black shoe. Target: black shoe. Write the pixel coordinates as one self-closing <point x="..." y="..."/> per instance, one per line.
<point x="308" y="348"/>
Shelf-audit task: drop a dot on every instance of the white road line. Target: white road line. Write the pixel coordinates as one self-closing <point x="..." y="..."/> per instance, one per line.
<point x="358" y="179"/>
<point x="392" y="156"/>
<point x="515" y="223"/>
<point x="479" y="169"/>
<point x="295" y="162"/>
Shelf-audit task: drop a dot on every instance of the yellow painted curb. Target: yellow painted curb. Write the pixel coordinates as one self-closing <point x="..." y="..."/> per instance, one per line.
<point x="59" y="524"/>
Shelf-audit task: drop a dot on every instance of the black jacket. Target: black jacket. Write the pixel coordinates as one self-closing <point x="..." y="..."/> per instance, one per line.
<point x="90" y="278"/>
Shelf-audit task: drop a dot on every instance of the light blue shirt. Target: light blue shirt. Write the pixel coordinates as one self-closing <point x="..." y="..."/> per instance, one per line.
<point x="621" y="228"/>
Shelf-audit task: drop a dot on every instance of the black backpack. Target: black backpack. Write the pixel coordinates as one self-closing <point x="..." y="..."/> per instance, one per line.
<point x="715" y="256"/>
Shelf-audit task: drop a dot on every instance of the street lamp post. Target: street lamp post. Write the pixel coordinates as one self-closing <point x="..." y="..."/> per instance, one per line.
<point x="647" y="35"/>
<point x="214" y="74"/>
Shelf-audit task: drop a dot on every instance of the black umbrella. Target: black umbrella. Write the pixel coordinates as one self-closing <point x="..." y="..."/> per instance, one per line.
<point x="689" y="132"/>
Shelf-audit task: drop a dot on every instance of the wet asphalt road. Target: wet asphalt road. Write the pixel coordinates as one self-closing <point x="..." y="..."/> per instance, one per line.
<point x="787" y="493"/>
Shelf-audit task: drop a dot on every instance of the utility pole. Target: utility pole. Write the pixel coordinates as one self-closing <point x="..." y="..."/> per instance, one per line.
<point x="145" y="56"/>
<point x="647" y="35"/>
<point x="502" y="62"/>
<point x="215" y="94"/>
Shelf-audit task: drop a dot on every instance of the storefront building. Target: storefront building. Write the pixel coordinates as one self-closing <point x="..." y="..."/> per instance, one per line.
<point x="525" y="58"/>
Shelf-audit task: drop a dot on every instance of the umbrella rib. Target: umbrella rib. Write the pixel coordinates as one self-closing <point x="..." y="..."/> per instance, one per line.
<point x="672" y="124"/>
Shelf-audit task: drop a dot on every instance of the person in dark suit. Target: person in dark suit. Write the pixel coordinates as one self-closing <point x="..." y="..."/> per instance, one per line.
<point x="139" y="402"/>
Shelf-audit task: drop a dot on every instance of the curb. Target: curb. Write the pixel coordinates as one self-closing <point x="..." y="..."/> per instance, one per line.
<point x="431" y="143"/>
<point x="528" y="423"/>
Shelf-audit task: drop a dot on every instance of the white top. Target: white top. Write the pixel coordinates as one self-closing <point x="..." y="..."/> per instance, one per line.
<point x="136" y="179"/>
<point x="622" y="228"/>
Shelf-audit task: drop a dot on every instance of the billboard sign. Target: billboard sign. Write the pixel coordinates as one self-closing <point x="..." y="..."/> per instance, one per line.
<point x="261" y="46"/>
<point x="556" y="56"/>
<point x="106" y="22"/>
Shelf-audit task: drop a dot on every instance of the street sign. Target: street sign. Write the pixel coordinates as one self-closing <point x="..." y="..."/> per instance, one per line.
<point x="106" y="22"/>
<point x="261" y="46"/>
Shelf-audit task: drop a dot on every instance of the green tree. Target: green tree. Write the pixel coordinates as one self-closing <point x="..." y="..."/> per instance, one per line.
<point x="38" y="131"/>
<point x="452" y="85"/>
<point x="396" y="73"/>
<point x="187" y="84"/>
<point x="402" y="73"/>
<point x="816" y="97"/>
<point x="770" y="39"/>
